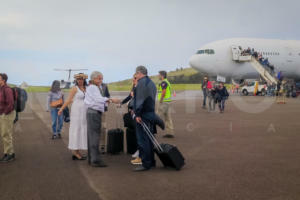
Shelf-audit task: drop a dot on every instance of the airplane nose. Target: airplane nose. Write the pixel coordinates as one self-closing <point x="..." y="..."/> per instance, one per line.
<point x="194" y="61"/>
<point x="201" y="62"/>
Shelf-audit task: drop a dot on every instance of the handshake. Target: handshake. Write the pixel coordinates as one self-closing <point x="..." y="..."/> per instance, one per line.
<point x="114" y="100"/>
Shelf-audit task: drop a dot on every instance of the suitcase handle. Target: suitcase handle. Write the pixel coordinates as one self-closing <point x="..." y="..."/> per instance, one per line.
<point x="152" y="138"/>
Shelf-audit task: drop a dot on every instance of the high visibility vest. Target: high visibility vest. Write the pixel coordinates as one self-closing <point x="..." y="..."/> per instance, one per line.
<point x="168" y="95"/>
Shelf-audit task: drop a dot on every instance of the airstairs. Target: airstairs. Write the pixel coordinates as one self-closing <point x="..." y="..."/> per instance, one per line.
<point x="264" y="73"/>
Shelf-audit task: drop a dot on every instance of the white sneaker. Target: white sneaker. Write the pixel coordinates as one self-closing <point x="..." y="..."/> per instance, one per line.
<point x="136" y="154"/>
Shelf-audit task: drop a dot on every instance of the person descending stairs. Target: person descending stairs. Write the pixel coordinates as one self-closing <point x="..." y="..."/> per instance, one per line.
<point x="261" y="65"/>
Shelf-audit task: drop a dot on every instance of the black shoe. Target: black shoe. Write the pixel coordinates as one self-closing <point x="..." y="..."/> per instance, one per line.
<point x="140" y="169"/>
<point x="76" y="158"/>
<point x="168" y="136"/>
<point x="8" y="158"/>
<point x="98" y="164"/>
<point x="59" y="136"/>
<point x="3" y="158"/>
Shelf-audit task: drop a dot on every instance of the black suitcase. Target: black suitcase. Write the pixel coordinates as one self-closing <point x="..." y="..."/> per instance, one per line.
<point x="131" y="141"/>
<point x="115" y="140"/>
<point x="168" y="154"/>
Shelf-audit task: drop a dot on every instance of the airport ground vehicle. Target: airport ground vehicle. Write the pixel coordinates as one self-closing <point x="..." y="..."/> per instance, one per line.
<point x="250" y="87"/>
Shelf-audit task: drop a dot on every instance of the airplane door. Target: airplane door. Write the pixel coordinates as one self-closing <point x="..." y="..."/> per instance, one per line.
<point x="235" y="53"/>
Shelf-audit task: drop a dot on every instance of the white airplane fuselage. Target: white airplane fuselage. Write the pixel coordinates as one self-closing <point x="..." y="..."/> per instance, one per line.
<point x="218" y="59"/>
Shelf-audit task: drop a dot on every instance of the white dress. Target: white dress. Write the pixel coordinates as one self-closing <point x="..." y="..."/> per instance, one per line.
<point x="78" y="123"/>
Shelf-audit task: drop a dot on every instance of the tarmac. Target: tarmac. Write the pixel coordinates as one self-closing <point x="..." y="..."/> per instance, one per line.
<point x="250" y="152"/>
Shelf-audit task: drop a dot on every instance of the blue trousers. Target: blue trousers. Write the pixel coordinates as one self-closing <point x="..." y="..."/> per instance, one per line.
<point x="204" y="96"/>
<point x="145" y="146"/>
<point x="57" y="121"/>
<point x="222" y="104"/>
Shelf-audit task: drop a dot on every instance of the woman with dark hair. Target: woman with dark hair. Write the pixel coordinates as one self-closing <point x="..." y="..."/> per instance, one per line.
<point x="78" y="123"/>
<point x="55" y="102"/>
<point x="130" y="123"/>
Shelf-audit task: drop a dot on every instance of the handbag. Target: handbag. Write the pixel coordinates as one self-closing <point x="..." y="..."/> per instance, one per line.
<point x="66" y="113"/>
<point x="56" y="103"/>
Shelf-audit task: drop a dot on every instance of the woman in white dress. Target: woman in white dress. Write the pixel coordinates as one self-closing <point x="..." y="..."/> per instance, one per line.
<point x="78" y="123"/>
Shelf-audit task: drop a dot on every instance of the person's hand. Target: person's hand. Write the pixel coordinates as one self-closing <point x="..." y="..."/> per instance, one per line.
<point x="60" y="112"/>
<point x="138" y="120"/>
<point x="115" y="100"/>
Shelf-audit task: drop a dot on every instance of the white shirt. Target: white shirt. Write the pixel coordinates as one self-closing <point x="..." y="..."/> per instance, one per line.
<point x="93" y="98"/>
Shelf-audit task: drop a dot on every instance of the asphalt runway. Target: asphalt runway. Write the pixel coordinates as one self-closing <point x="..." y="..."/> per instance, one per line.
<point x="251" y="152"/>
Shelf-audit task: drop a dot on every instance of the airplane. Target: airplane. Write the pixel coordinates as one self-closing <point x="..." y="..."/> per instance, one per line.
<point x="217" y="58"/>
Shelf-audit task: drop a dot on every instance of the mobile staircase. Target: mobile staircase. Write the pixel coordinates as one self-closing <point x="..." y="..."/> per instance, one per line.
<point x="263" y="72"/>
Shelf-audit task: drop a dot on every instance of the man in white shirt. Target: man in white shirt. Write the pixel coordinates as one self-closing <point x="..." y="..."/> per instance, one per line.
<point x="95" y="103"/>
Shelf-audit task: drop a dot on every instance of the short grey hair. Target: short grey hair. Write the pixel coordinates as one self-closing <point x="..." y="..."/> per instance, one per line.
<point x="95" y="74"/>
<point x="142" y="70"/>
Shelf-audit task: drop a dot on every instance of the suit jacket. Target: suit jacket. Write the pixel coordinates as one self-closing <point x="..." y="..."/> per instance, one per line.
<point x="106" y="93"/>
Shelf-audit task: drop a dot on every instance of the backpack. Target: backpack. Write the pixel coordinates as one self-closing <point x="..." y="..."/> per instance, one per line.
<point x="21" y="97"/>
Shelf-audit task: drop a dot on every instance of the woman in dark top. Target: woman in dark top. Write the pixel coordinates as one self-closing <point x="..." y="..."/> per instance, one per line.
<point x="222" y="96"/>
<point x="129" y="98"/>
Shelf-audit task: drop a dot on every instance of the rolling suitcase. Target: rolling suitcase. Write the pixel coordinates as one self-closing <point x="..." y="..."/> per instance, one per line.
<point x="131" y="141"/>
<point x="168" y="154"/>
<point x="115" y="140"/>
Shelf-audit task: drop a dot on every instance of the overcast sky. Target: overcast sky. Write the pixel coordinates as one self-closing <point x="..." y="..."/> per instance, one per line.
<point x="116" y="36"/>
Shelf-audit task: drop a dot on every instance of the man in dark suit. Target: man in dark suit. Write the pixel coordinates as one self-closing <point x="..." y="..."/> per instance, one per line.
<point x="144" y="110"/>
<point x="103" y="140"/>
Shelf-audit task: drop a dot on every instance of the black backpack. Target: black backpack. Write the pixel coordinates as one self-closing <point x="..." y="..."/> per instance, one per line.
<point x="20" y="96"/>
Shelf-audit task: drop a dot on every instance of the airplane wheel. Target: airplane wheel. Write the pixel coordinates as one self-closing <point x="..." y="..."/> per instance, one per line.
<point x="245" y="92"/>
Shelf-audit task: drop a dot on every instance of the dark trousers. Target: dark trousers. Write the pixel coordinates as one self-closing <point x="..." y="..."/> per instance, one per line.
<point x="145" y="146"/>
<point x="222" y="104"/>
<point x="204" y="96"/>
<point x="93" y="132"/>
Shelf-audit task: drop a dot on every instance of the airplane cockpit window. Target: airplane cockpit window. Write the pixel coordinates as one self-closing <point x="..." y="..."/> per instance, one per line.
<point x="206" y="51"/>
<point x="211" y="51"/>
<point x="200" y="52"/>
